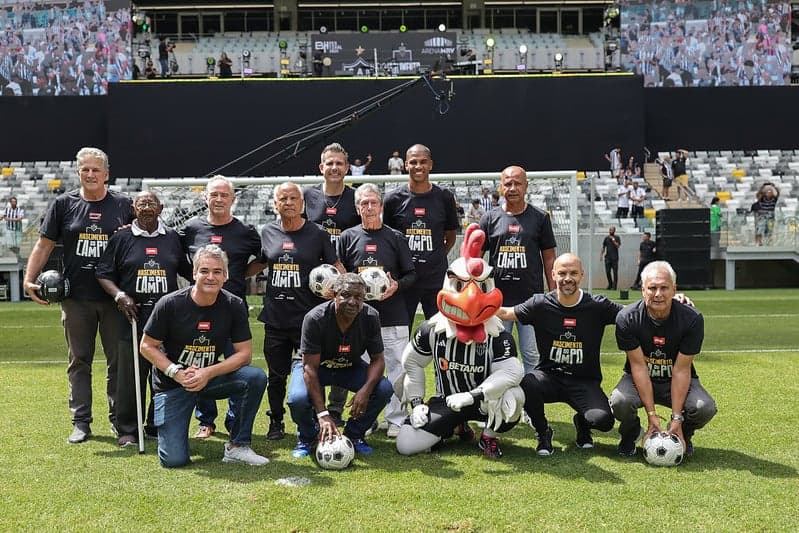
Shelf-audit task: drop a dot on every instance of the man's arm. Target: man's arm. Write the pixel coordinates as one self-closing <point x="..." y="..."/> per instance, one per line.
<point x="640" y="375"/>
<point x="548" y="257"/>
<point x="242" y="355"/>
<point x="310" y="374"/>
<point x="38" y="258"/>
<point x="680" y="382"/>
<point x="449" y="239"/>
<point x="374" y="373"/>
<point x="150" y="349"/>
<point x="125" y="303"/>
<point x="253" y="268"/>
<point x="506" y="314"/>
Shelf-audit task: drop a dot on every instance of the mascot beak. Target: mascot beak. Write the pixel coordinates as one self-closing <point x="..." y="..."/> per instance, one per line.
<point x="469" y="309"/>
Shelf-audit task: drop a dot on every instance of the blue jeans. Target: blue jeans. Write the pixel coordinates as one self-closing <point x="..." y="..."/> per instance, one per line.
<point x="206" y="410"/>
<point x="352" y="379"/>
<point x="173" y="412"/>
<point x="527" y="346"/>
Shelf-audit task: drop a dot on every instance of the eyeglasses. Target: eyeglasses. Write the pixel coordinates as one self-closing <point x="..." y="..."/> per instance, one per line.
<point x="145" y="203"/>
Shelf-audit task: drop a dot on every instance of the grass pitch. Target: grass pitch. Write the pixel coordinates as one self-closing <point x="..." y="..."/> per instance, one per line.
<point x="743" y="477"/>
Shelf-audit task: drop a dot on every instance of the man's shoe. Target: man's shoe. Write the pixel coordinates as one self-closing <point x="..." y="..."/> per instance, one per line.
<point x="302" y="449"/>
<point x="336" y="416"/>
<point x="584" y="438"/>
<point x="464" y="432"/>
<point x="127" y="440"/>
<point x="392" y="431"/>
<point x="80" y="433"/>
<point x="689" y="448"/>
<point x="277" y="430"/>
<point x="150" y="432"/>
<point x="490" y="446"/>
<point x="627" y="446"/>
<point x="204" y="432"/>
<point x="361" y="446"/>
<point x="545" y="448"/>
<point x="243" y="454"/>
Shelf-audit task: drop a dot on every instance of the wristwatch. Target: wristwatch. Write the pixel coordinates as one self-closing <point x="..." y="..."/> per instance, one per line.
<point x="678" y="417"/>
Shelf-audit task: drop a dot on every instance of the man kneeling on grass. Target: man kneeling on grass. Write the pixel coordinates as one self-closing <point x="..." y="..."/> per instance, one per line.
<point x="183" y="339"/>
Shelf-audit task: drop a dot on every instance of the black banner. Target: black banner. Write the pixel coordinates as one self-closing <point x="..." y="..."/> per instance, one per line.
<point x="396" y="53"/>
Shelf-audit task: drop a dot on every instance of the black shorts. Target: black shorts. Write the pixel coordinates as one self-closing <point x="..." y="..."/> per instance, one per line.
<point x="667" y="182"/>
<point x="444" y="420"/>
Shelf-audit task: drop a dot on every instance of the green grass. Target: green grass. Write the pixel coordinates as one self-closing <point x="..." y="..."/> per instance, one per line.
<point x="744" y="476"/>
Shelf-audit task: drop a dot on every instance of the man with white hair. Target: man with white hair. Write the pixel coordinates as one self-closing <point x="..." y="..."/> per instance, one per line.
<point x="661" y="338"/>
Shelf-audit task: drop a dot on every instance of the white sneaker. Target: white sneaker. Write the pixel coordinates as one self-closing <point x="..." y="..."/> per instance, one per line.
<point x="392" y="431"/>
<point x="243" y="454"/>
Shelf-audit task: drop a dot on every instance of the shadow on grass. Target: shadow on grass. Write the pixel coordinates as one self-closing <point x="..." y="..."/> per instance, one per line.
<point x="707" y="459"/>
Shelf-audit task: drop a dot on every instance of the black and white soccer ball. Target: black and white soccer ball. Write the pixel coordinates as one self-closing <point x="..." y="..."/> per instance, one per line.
<point x="663" y="449"/>
<point x="376" y="283"/>
<point x="54" y="287"/>
<point x="336" y="453"/>
<point x="322" y="278"/>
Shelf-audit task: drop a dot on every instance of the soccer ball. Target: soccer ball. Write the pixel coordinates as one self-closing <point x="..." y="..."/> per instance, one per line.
<point x="54" y="286"/>
<point x="335" y="454"/>
<point x="663" y="449"/>
<point x="321" y="279"/>
<point x="376" y="283"/>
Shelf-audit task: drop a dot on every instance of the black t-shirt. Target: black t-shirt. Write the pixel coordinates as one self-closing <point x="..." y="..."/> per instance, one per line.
<point x="611" y="251"/>
<point x="290" y="257"/>
<point x="678" y="166"/>
<point x="386" y="249"/>
<point x="423" y="218"/>
<point x="514" y="244"/>
<point x="239" y="241"/>
<point x="569" y="338"/>
<point x="333" y="213"/>
<point x="647" y="249"/>
<point x="145" y="268"/>
<point x="195" y="335"/>
<point x="460" y="367"/>
<point x="682" y="332"/>
<point x="321" y="334"/>
<point x="84" y="227"/>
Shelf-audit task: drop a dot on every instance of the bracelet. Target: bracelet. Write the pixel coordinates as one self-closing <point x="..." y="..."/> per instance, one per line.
<point x="172" y="369"/>
<point x="320" y="415"/>
<point x="651" y="413"/>
<point x="119" y="296"/>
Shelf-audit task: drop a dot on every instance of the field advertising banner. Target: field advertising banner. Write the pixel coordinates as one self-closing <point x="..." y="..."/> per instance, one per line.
<point x="397" y="53"/>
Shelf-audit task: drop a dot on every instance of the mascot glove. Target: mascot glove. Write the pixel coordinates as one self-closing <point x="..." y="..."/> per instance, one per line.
<point x="420" y="416"/>
<point x="507" y="408"/>
<point x="459" y="400"/>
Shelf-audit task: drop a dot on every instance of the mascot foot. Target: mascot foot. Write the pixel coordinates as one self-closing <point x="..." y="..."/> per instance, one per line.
<point x="490" y="447"/>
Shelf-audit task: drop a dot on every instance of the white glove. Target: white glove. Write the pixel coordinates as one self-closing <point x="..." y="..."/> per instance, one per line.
<point x="420" y="416"/>
<point x="459" y="400"/>
<point x="507" y="408"/>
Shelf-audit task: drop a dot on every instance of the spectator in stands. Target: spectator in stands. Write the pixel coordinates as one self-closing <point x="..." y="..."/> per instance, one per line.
<point x="395" y="164"/>
<point x="610" y="254"/>
<point x="475" y="212"/>
<point x="637" y="200"/>
<point x="623" y="199"/>
<point x="681" y="174"/>
<point x="13" y="215"/>
<point x="715" y="215"/>
<point x="358" y="167"/>
<point x="614" y="158"/>
<point x="764" y="207"/>
<point x="83" y="220"/>
<point x="486" y="201"/>
<point x="646" y="254"/>
<point x="225" y="66"/>
<point x="149" y="70"/>
<point x="164" y="48"/>
<point x="667" y="174"/>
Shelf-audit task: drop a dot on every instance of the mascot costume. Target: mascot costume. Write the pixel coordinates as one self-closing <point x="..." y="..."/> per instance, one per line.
<point x="477" y="372"/>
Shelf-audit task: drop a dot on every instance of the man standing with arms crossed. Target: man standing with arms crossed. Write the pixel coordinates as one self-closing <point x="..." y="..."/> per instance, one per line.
<point x="83" y="220"/>
<point x="521" y="248"/>
<point x="610" y="253"/>
<point x="240" y="242"/>
<point x="426" y="214"/>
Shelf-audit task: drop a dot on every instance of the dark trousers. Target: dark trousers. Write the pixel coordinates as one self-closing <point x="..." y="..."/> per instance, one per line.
<point x="444" y="420"/>
<point x="427" y="297"/>
<point x="641" y="266"/>
<point x="126" y="420"/>
<point x="612" y="272"/>
<point x="279" y="348"/>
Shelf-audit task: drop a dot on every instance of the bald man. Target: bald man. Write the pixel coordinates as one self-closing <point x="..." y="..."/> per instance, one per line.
<point x="521" y="248"/>
<point x="569" y="325"/>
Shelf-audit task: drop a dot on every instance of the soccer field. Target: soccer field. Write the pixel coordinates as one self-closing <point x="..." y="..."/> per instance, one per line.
<point x="744" y="475"/>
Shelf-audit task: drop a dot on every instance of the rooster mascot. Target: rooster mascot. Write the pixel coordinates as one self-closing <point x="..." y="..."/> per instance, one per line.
<point x="477" y="372"/>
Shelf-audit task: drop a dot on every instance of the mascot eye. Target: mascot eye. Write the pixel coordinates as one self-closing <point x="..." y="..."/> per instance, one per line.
<point x="484" y="286"/>
<point x="459" y="285"/>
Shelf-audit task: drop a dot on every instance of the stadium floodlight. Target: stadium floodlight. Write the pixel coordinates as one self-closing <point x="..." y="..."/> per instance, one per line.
<point x="322" y="29"/>
<point x="523" y="49"/>
<point x="442" y="27"/>
<point x="490" y="42"/>
<point x="558" y="61"/>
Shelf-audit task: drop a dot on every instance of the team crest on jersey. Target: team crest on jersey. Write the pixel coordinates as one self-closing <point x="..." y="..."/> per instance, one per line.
<point x="288" y="245"/>
<point x="370" y="248"/>
<point x="514" y="228"/>
<point x="419" y="211"/>
<point x="659" y="341"/>
<point x="331" y="211"/>
<point x="216" y="239"/>
<point x="479" y="349"/>
<point x="151" y="251"/>
<point x="569" y="322"/>
<point x="95" y="216"/>
<point x="202" y="340"/>
<point x="203" y="326"/>
<point x="371" y="262"/>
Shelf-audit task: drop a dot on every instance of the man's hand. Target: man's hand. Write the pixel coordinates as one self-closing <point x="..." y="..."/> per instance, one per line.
<point x="675" y="428"/>
<point x="654" y="426"/>
<point x="358" y="404"/>
<point x="196" y="378"/>
<point x="683" y="299"/>
<point x="392" y="287"/>
<point x="420" y="416"/>
<point x="127" y="305"/>
<point x="459" y="400"/>
<point x="327" y="428"/>
<point x="32" y="290"/>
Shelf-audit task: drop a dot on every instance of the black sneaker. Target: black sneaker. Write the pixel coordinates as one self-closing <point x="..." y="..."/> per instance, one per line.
<point x="276" y="430"/>
<point x="490" y="446"/>
<point x="545" y="448"/>
<point x="584" y="438"/>
<point x="627" y="446"/>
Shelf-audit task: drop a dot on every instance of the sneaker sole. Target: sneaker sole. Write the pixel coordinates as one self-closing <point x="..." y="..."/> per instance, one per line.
<point x="231" y="460"/>
<point x="585" y="445"/>
<point x="544" y="453"/>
